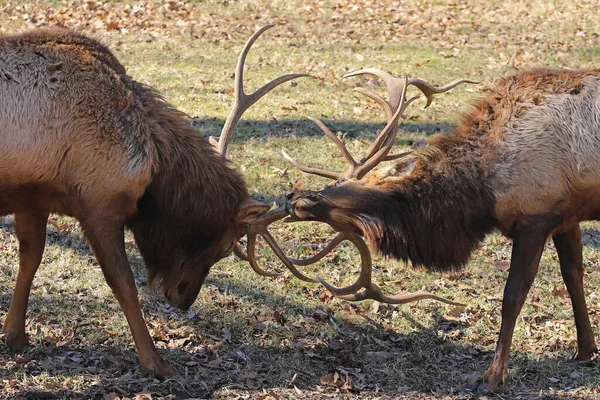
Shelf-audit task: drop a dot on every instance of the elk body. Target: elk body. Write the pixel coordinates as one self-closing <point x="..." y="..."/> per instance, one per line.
<point x="525" y="161"/>
<point x="80" y="137"/>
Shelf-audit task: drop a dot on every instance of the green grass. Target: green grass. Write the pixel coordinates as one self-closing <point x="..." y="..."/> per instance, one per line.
<point x="253" y="337"/>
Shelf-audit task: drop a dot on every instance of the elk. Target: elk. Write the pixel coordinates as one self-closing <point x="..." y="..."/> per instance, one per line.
<point x="525" y="161"/>
<point x="80" y="137"/>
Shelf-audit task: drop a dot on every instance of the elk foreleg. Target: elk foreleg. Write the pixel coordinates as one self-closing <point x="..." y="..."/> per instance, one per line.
<point x="31" y="233"/>
<point x="569" y="249"/>
<point x="107" y="240"/>
<point x="528" y="244"/>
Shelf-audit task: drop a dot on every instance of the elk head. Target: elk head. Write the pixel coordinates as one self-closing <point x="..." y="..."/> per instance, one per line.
<point x="338" y="205"/>
<point x="200" y="245"/>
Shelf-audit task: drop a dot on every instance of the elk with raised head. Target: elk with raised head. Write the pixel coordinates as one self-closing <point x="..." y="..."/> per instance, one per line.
<point x="79" y="137"/>
<point x="525" y="161"/>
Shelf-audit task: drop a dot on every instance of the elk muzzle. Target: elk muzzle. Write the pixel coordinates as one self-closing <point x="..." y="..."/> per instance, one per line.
<point x="184" y="293"/>
<point x="308" y="206"/>
<point x="335" y="205"/>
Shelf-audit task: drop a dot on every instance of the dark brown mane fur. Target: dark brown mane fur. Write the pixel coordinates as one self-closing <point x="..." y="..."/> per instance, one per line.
<point x="437" y="216"/>
<point x="175" y="223"/>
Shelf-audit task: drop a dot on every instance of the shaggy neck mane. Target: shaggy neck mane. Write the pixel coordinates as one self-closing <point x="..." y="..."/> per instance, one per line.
<point x="436" y="216"/>
<point x="192" y="200"/>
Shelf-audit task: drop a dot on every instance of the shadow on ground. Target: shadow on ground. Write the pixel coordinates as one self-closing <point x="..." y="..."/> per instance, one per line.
<point x="408" y="134"/>
<point x="430" y="360"/>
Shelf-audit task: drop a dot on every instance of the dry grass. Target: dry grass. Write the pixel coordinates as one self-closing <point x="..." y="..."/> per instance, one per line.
<point x="253" y="337"/>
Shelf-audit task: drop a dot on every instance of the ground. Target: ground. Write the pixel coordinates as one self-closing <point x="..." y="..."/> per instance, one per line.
<point x="277" y="338"/>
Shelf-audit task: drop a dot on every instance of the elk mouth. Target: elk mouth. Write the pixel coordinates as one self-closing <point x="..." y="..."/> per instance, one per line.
<point x="333" y="206"/>
<point x="308" y="206"/>
<point x="184" y="293"/>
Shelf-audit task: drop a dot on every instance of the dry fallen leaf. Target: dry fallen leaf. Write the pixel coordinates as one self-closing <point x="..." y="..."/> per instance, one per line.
<point x="336" y="345"/>
<point x="502" y="265"/>
<point x="562" y="292"/>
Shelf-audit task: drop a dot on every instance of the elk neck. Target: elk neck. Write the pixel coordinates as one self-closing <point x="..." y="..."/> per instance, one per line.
<point x="437" y="214"/>
<point x="192" y="199"/>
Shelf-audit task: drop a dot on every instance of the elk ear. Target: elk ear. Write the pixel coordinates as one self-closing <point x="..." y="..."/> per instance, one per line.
<point x="250" y="210"/>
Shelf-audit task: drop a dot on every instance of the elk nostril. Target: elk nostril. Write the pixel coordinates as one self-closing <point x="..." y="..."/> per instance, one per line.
<point x="181" y="288"/>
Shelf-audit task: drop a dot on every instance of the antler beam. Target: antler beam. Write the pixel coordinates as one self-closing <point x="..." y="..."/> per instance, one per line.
<point x="393" y="107"/>
<point x="242" y="100"/>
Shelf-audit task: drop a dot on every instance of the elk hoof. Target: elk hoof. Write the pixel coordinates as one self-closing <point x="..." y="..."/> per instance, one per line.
<point x="585" y="356"/>
<point x="16" y="341"/>
<point x="481" y="386"/>
<point x="489" y="382"/>
<point x="159" y="369"/>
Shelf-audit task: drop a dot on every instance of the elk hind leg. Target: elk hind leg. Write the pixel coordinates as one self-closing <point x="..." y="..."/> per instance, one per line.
<point x="31" y="233"/>
<point x="569" y="248"/>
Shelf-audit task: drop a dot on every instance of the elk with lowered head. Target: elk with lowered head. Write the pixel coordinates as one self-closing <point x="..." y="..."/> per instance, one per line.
<point x="80" y="137"/>
<point x="525" y="161"/>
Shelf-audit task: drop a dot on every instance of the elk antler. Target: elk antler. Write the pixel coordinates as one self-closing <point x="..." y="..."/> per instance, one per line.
<point x="260" y="227"/>
<point x="351" y="293"/>
<point x="242" y="100"/>
<point x="370" y="289"/>
<point x="241" y="103"/>
<point x="393" y="107"/>
<point x="379" y="151"/>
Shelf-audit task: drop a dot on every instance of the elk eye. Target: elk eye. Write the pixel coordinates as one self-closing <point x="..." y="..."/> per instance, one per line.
<point x="229" y="248"/>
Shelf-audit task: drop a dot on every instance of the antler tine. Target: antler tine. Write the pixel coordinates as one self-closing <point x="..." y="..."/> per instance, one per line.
<point x="364" y="278"/>
<point x="429" y="90"/>
<point x="345" y="153"/>
<point x="326" y="250"/>
<point x="373" y="292"/>
<point x="311" y="170"/>
<point x="251" y="258"/>
<point x="396" y="88"/>
<point x="237" y="250"/>
<point x="242" y="100"/>
<point x="352" y="164"/>
<point x="392" y="157"/>
<point x="378" y="99"/>
<point x="387" y="135"/>
<point x="260" y="226"/>
<point x="284" y="259"/>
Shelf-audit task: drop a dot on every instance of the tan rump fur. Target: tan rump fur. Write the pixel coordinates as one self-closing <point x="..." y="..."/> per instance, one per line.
<point x="61" y="129"/>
